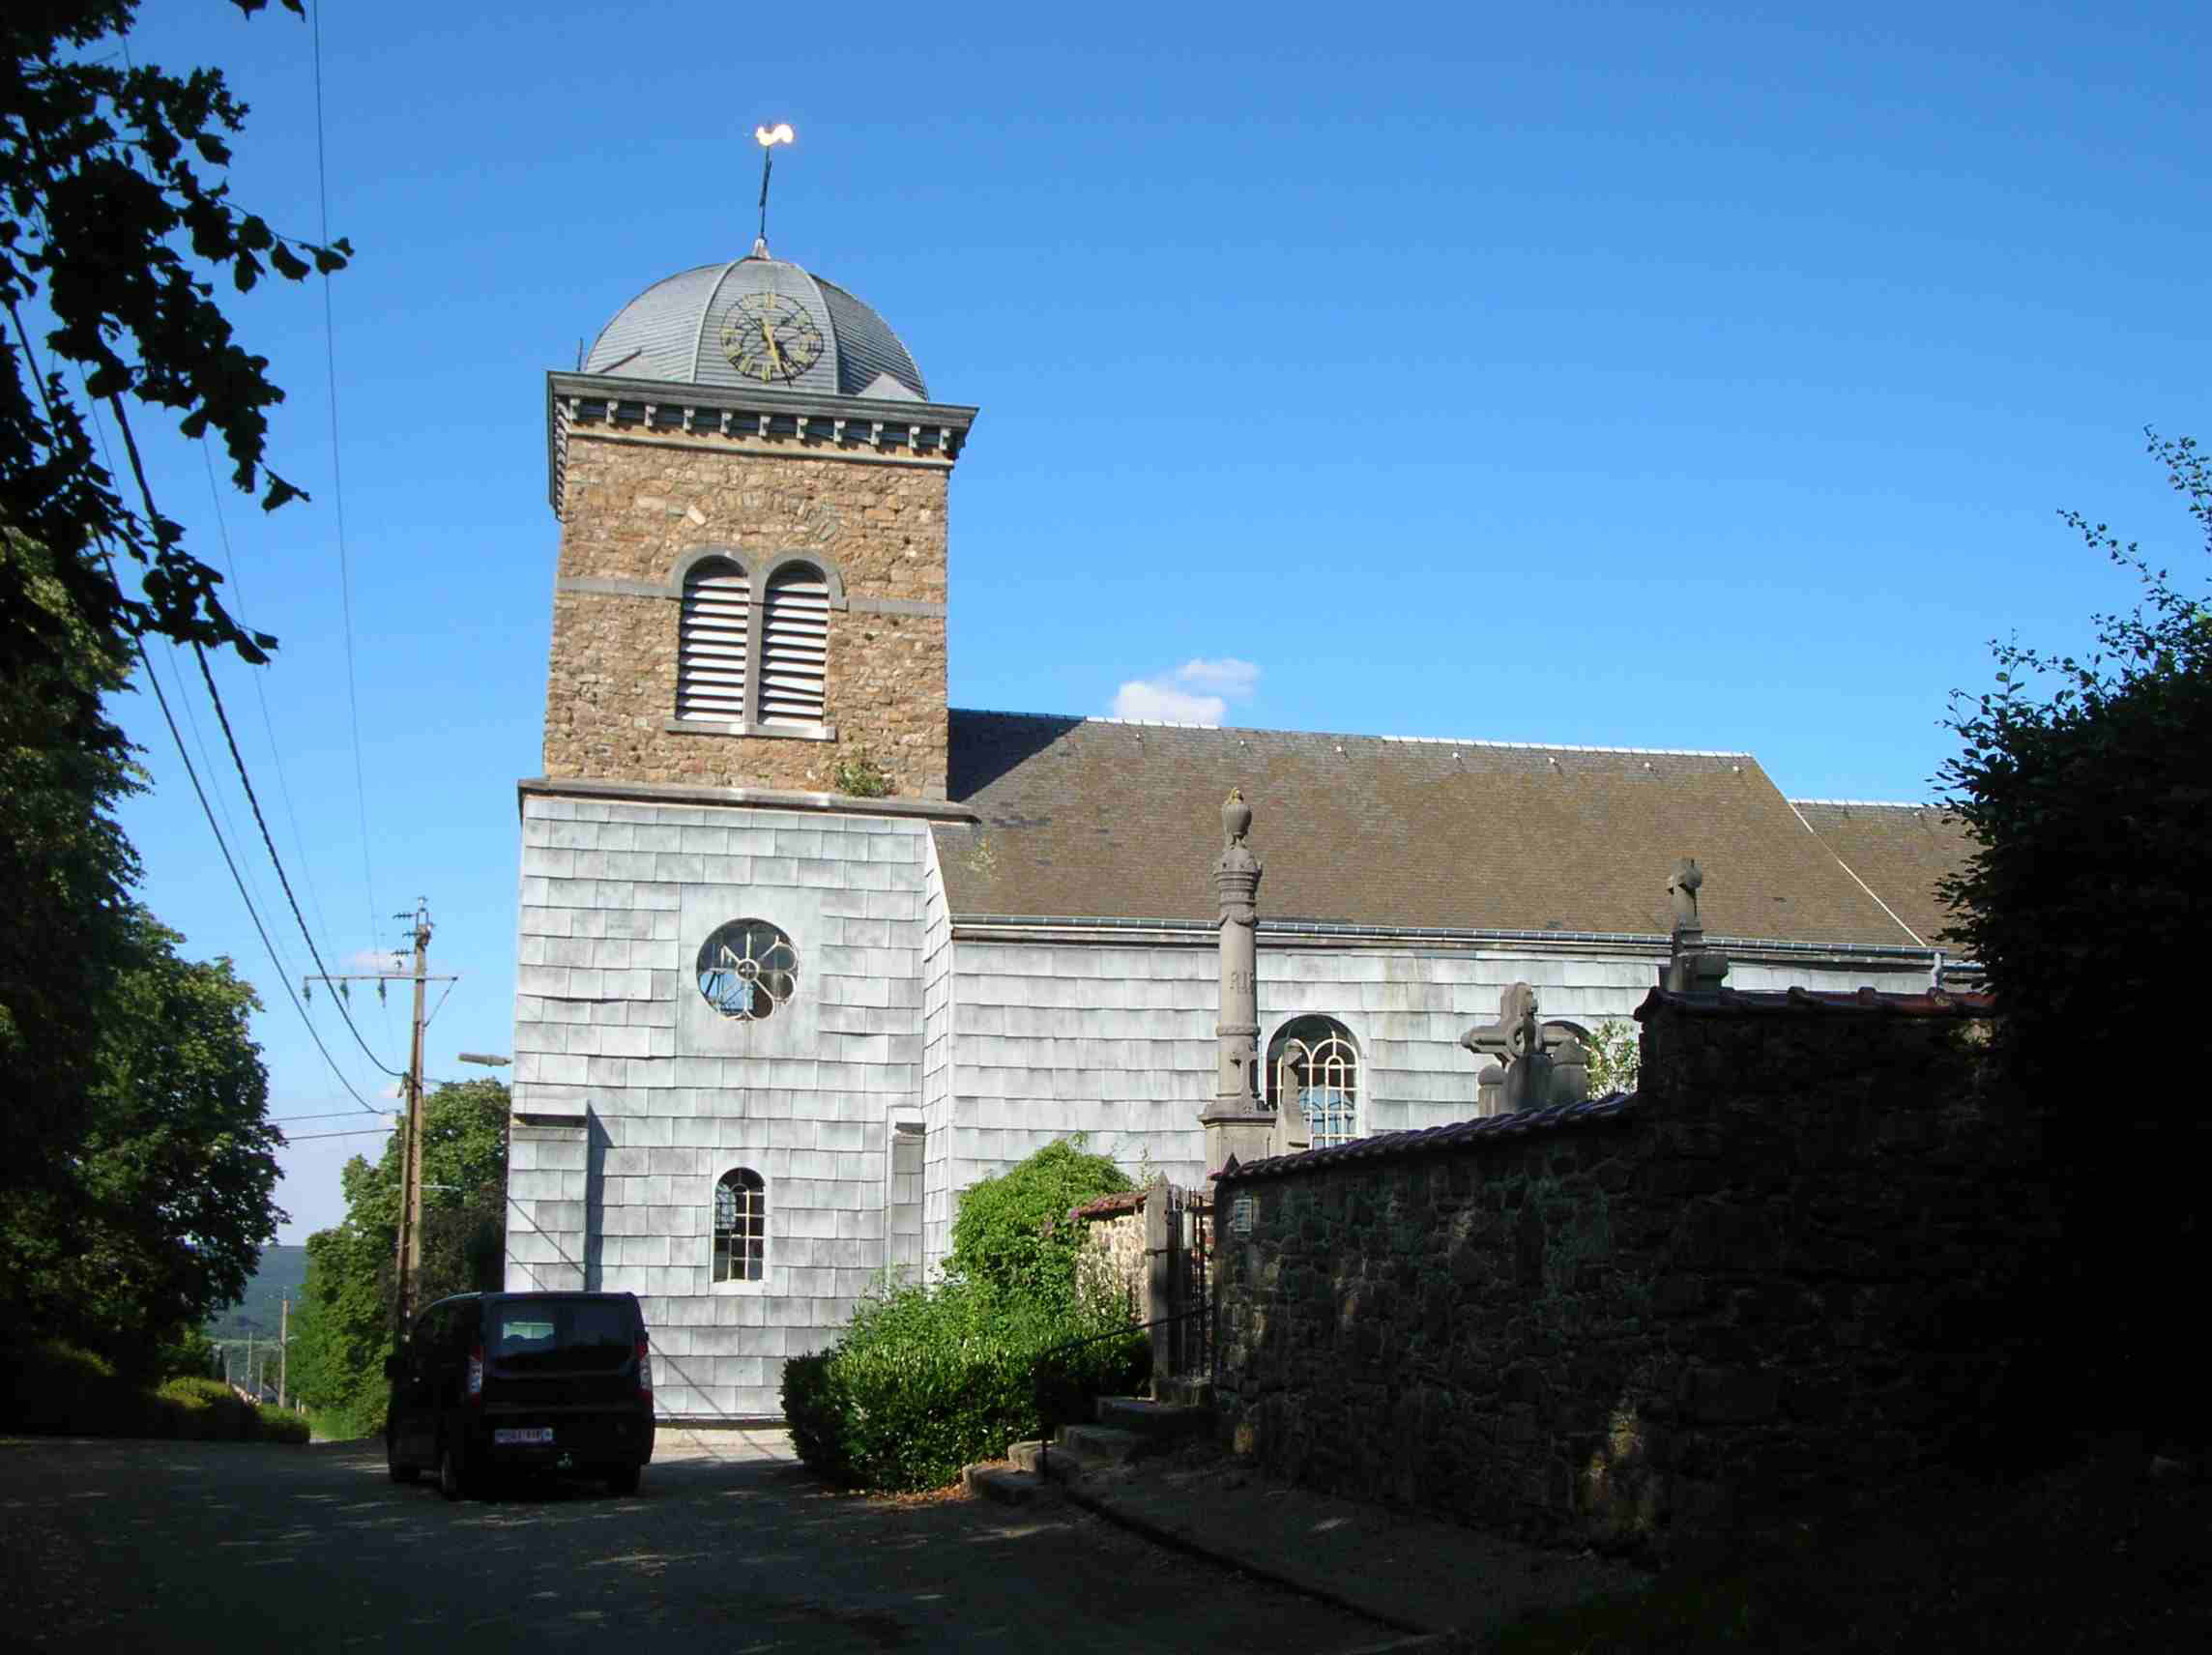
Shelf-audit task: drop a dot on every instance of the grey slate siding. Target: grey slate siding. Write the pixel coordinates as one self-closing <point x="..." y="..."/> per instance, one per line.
<point x="665" y="1094"/>
<point x="936" y="1057"/>
<point x="1118" y="1042"/>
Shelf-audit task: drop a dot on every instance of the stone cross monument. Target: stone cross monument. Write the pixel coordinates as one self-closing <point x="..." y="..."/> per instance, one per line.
<point x="1691" y="967"/>
<point x="1517" y="1040"/>
<point x="1237" y="1121"/>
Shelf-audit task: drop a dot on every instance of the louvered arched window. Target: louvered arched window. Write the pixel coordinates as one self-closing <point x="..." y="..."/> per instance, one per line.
<point x="795" y="645"/>
<point x="711" y="676"/>
<point x="1312" y="1064"/>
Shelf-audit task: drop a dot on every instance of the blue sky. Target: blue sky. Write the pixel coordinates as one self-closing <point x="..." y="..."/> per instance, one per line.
<point x="1593" y="374"/>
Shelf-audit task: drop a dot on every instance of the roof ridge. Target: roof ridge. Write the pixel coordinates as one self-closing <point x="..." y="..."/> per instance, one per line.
<point x="1876" y="804"/>
<point x="1366" y="735"/>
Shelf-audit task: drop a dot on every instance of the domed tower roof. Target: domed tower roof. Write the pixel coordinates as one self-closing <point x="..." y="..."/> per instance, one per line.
<point x="685" y="330"/>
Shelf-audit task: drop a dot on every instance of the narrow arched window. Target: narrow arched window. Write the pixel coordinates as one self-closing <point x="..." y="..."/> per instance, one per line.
<point x="741" y="1226"/>
<point x="1312" y="1065"/>
<point x="795" y="645"/>
<point x="711" y="643"/>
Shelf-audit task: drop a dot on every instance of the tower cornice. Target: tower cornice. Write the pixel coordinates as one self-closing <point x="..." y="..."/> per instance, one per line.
<point x="859" y="427"/>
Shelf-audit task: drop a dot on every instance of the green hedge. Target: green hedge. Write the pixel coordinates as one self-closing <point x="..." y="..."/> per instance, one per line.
<point x="929" y="1380"/>
<point x="57" y="1388"/>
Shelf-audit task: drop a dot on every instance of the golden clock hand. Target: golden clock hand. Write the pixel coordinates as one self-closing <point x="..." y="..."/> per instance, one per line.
<point x="775" y="355"/>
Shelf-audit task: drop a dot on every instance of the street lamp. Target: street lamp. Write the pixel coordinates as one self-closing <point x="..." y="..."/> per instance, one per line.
<point x="485" y="1059"/>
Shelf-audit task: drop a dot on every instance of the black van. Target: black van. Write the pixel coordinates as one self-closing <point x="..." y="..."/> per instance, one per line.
<point x="521" y="1381"/>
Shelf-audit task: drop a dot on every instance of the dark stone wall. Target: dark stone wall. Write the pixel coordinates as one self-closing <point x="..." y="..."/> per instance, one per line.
<point x="1806" y="1255"/>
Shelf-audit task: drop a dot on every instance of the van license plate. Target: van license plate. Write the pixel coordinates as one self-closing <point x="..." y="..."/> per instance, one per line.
<point x="524" y="1433"/>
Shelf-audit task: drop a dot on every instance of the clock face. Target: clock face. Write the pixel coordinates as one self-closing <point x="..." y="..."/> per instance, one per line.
<point x="771" y="339"/>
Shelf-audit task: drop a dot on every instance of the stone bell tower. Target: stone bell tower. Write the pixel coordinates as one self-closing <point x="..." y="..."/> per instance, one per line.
<point x="751" y="484"/>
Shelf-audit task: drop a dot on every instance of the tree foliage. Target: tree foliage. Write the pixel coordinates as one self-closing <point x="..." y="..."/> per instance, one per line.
<point x="1615" y="1050"/>
<point x="2086" y="784"/>
<point x="67" y="927"/>
<point x="115" y="226"/>
<point x="1009" y="1232"/>
<point x="343" y="1329"/>
<point x="115" y="217"/>
<point x="166" y="1199"/>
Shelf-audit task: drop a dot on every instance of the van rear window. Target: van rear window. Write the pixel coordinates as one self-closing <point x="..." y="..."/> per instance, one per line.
<point x="578" y="1334"/>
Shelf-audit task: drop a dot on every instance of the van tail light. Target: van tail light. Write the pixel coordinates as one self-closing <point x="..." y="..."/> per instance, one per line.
<point x="476" y="1374"/>
<point x="644" y="1368"/>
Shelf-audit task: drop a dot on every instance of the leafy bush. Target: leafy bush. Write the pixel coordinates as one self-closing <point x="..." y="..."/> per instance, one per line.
<point x="58" y="1388"/>
<point x="858" y="775"/>
<point x="1010" y="1233"/>
<point x="282" y="1425"/>
<point x="929" y="1380"/>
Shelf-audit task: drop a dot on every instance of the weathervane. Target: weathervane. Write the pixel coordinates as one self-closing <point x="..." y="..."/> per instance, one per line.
<point x="768" y="138"/>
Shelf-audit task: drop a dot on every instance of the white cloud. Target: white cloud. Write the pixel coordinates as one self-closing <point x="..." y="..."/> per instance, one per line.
<point x="1162" y="704"/>
<point x="1228" y="676"/>
<point x="371" y="960"/>
<point x="1197" y="692"/>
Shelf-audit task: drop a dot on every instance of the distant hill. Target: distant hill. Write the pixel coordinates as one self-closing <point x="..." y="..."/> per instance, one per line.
<point x="282" y="1270"/>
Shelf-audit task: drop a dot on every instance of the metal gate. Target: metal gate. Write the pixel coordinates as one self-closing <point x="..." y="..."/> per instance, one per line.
<point x="1190" y="1241"/>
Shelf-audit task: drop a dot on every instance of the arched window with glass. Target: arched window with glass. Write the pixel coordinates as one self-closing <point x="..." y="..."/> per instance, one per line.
<point x="741" y="1226"/>
<point x="1313" y="1064"/>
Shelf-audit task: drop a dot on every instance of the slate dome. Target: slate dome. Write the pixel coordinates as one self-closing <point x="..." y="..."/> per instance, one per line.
<point x="673" y="331"/>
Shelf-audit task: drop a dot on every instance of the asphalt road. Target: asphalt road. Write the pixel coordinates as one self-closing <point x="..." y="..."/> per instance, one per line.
<point x="730" y="1546"/>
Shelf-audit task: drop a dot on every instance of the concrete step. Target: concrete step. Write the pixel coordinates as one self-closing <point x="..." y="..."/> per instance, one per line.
<point x="1184" y="1393"/>
<point x="1099" y="1445"/>
<point x="1156" y="1421"/>
<point x="1007" y="1488"/>
<point x="1063" y="1458"/>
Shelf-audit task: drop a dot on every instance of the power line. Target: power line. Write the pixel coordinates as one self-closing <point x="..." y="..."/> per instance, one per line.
<point x="312" y="1137"/>
<point x="107" y="459"/>
<point x="237" y="761"/>
<point x="260" y="690"/>
<point x="338" y="484"/>
<point x="237" y="758"/>
<point x="341" y="1115"/>
<point x="186" y="758"/>
<point x="200" y="793"/>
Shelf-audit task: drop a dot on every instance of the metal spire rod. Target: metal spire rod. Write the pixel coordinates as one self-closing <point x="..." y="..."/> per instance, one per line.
<point x="768" y="138"/>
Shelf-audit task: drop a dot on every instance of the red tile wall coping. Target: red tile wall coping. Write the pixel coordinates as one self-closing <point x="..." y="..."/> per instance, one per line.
<point x="1107" y="1205"/>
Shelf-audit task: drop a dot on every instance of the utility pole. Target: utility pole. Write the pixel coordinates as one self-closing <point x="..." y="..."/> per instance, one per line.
<point x="410" y="1244"/>
<point x="249" y="1384"/>
<point x="284" y="1350"/>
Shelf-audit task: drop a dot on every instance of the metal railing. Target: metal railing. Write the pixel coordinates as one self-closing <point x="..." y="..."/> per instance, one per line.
<point x="1046" y="1412"/>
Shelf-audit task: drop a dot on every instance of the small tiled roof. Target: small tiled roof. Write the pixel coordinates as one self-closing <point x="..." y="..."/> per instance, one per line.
<point x="1107" y="1205"/>
<point x="1434" y="1140"/>
<point x="1097" y="818"/>
<point x="1854" y="1003"/>
<point x="1902" y="851"/>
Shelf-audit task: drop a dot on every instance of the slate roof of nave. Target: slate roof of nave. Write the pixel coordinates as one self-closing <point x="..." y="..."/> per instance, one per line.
<point x="1098" y="819"/>
<point x="1902" y="851"/>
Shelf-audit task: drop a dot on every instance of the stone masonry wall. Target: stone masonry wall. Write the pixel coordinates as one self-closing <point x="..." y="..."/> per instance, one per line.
<point x="1112" y="1262"/>
<point x="1804" y="1255"/>
<point x="635" y="506"/>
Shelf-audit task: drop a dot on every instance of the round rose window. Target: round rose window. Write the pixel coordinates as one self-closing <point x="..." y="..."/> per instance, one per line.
<point x="747" y="968"/>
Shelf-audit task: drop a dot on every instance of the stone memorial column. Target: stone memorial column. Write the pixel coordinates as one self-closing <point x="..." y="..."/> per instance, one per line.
<point x="1236" y="1121"/>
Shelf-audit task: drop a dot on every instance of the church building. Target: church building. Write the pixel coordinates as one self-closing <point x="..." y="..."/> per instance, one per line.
<point x="804" y="951"/>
